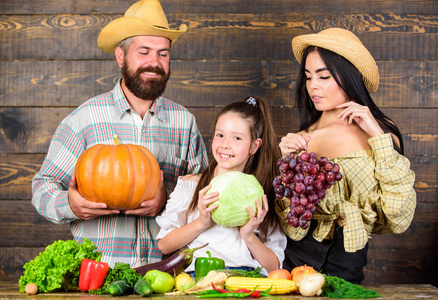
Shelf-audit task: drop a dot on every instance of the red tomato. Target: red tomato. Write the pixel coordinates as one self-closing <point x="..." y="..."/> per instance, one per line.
<point x="280" y="273"/>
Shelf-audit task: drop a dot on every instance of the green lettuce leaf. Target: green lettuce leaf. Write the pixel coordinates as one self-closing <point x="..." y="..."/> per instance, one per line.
<point x="57" y="267"/>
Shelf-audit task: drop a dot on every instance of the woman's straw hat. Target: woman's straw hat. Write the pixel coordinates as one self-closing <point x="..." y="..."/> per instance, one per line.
<point x="145" y="17"/>
<point x="346" y="44"/>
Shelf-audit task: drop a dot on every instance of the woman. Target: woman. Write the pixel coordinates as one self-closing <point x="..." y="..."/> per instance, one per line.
<point x="339" y="120"/>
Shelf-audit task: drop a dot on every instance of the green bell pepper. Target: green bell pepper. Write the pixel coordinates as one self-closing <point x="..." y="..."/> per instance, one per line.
<point x="203" y="265"/>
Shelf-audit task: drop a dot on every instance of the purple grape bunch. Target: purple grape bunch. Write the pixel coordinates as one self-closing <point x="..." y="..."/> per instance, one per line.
<point x="304" y="181"/>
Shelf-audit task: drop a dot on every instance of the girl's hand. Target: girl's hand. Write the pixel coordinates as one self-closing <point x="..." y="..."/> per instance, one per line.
<point x="362" y="116"/>
<point x="247" y="230"/>
<point x="203" y="206"/>
<point x="293" y="143"/>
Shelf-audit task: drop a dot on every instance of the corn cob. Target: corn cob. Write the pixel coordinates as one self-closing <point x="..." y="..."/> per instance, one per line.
<point x="279" y="286"/>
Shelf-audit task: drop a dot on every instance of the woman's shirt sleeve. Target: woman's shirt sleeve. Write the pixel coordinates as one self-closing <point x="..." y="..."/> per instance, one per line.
<point x="397" y="198"/>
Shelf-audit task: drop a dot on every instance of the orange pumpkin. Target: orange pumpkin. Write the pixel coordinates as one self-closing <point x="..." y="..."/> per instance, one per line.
<point x="122" y="176"/>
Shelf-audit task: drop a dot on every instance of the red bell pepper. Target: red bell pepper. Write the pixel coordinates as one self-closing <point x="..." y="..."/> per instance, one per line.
<point x="92" y="274"/>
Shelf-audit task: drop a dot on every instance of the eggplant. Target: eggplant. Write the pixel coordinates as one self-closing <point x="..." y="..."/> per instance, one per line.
<point x="174" y="264"/>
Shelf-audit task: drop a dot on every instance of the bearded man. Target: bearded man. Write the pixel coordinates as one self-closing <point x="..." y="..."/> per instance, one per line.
<point x="136" y="112"/>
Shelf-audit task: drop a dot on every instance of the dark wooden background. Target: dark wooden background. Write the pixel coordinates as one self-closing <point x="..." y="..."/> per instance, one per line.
<point x="50" y="63"/>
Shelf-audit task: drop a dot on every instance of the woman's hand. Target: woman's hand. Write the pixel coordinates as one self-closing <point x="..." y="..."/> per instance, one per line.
<point x="247" y="230"/>
<point x="362" y="116"/>
<point x="293" y="143"/>
<point x="203" y="206"/>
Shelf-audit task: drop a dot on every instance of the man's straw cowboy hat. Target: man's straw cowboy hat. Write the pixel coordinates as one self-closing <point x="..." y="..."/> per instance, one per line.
<point x="346" y="44"/>
<point x="145" y="17"/>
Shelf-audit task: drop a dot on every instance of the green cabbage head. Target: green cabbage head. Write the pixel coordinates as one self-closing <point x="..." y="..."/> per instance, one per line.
<point x="237" y="191"/>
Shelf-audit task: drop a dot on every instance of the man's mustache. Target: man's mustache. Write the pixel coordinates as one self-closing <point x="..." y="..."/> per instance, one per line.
<point x="156" y="70"/>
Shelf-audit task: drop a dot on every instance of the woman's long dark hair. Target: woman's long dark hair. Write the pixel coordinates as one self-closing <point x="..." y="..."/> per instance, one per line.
<point x="350" y="80"/>
<point x="262" y="164"/>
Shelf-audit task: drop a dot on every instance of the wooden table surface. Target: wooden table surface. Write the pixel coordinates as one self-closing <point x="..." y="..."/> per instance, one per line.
<point x="9" y="290"/>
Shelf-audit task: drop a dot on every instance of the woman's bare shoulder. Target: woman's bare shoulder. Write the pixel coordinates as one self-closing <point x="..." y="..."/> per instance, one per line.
<point x="339" y="140"/>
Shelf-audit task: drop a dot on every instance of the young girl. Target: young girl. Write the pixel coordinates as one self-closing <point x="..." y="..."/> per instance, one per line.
<point x="244" y="140"/>
<point x="339" y="120"/>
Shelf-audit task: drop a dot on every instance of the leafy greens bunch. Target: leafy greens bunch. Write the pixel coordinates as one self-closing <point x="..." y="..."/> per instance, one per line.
<point x="335" y="287"/>
<point x="121" y="271"/>
<point x="57" y="267"/>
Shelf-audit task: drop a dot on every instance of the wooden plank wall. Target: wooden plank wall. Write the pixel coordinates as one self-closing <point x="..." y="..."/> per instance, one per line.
<point x="50" y="63"/>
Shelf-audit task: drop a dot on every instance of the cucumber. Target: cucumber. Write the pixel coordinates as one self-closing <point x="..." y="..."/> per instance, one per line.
<point x="143" y="288"/>
<point x="118" y="288"/>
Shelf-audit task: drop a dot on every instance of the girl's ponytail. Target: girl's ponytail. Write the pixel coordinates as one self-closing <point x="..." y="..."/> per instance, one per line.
<point x="264" y="163"/>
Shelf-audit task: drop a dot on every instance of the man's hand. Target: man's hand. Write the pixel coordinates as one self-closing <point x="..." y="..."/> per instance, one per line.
<point x="153" y="206"/>
<point x="84" y="209"/>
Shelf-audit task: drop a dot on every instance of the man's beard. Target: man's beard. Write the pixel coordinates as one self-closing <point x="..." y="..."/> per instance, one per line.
<point x="150" y="89"/>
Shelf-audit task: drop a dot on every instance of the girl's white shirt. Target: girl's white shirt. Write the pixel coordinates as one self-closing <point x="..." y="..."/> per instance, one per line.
<point x="224" y="242"/>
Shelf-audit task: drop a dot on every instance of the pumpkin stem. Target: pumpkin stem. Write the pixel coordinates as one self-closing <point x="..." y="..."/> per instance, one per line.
<point x="116" y="139"/>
